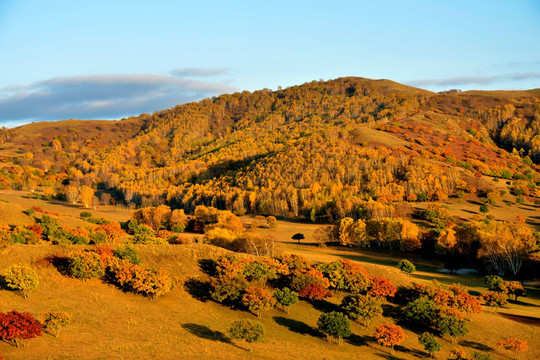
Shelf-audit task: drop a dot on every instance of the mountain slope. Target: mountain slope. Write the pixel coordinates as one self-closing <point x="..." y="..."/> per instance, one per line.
<point x="322" y="149"/>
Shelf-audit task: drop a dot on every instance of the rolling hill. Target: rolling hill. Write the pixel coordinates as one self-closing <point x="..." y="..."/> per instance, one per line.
<point x="319" y="150"/>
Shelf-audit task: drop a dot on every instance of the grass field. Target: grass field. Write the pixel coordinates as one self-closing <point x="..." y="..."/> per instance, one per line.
<point x="110" y="324"/>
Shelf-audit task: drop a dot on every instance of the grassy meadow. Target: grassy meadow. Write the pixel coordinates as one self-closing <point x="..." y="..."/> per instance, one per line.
<point x="108" y="323"/>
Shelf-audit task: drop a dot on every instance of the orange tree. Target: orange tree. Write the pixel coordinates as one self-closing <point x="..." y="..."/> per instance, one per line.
<point x="515" y="345"/>
<point x="389" y="335"/>
<point x="257" y="299"/>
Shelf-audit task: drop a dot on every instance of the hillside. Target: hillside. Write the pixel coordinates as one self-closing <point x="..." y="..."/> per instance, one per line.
<point x="108" y="323"/>
<point x="321" y="150"/>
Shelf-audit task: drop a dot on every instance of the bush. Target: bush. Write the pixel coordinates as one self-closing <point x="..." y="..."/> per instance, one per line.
<point x="98" y="221"/>
<point x="481" y="356"/>
<point x="98" y="237"/>
<point x="138" y="280"/>
<point x="406" y="266"/>
<point x="335" y="325"/>
<point x="85" y="265"/>
<point x="21" y="278"/>
<point x="15" y="326"/>
<point x="86" y="214"/>
<point x="178" y="228"/>
<point x="484" y="209"/>
<point x="129" y="253"/>
<point x="56" y="321"/>
<point x="494" y="282"/>
<point x="248" y="330"/>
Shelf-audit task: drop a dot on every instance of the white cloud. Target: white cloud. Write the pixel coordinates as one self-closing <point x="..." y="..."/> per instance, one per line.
<point x="101" y="96"/>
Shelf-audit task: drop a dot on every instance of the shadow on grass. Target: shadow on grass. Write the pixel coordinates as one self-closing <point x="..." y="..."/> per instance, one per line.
<point x="204" y="332"/>
<point x="325" y="306"/>
<point x="61" y="263"/>
<point x="413" y="352"/>
<point x="527" y="320"/>
<point x="199" y="289"/>
<point x="358" y="340"/>
<point x="475" y="345"/>
<point x="392" y="311"/>
<point x="389" y="356"/>
<point x="208" y="266"/>
<point x="296" y="326"/>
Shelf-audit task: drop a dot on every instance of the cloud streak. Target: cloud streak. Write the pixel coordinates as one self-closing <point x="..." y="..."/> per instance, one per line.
<point x="101" y="96"/>
<point x="196" y="72"/>
<point x="475" y="80"/>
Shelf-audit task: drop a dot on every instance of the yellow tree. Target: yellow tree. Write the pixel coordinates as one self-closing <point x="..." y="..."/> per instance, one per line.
<point x="86" y="195"/>
<point x="72" y="194"/>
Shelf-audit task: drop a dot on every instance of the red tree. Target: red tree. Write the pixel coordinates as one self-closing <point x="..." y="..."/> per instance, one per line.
<point x="314" y="291"/>
<point x="381" y="287"/>
<point x="16" y="326"/>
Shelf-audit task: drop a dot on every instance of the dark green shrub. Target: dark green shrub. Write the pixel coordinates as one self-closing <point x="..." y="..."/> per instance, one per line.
<point x="129" y="253"/>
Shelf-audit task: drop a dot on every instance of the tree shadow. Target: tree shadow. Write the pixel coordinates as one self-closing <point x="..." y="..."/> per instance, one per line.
<point x="392" y="311"/>
<point x="208" y="266"/>
<point x="199" y="289"/>
<point x="527" y="320"/>
<point x="204" y="332"/>
<point x="61" y="263"/>
<point x="475" y="345"/>
<point x="413" y="352"/>
<point x="389" y="356"/>
<point x="296" y="326"/>
<point x="358" y="340"/>
<point x="325" y="306"/>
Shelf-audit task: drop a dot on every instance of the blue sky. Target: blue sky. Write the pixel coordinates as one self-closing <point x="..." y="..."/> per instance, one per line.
<point x="111" y="59"/>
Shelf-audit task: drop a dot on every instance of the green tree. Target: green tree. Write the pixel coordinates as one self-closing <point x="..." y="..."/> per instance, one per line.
<point x="361" y="306"/>
<point x="286" y="297"/>
<point x="335" y="325"/>
<point x="451" y="325"/>
<point x="430" y="343"/>
<point x="21" y="278"/>
<point x="421" y="311"/>
<point x="406" y="266"/>
<point x="249" y="331"/>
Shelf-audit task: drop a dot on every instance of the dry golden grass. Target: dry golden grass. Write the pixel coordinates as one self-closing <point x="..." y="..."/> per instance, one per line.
<point x="111" y="324"/>
<point x="110" y="212"/>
